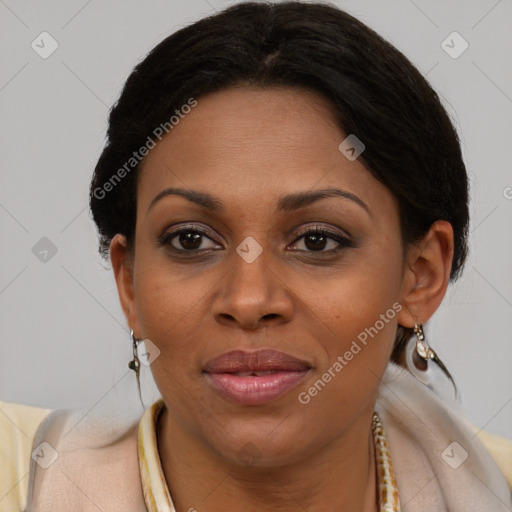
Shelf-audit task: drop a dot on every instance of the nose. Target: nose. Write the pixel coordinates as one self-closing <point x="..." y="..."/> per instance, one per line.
<point x="253" y="294"/>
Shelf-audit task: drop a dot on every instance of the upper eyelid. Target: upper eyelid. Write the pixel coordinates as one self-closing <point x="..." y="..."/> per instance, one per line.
<point x="188" y="227"/>
<point x="341" y="233"/>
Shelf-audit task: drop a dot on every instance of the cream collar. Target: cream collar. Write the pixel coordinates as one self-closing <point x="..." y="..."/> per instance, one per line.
<point x="157" y="495"/>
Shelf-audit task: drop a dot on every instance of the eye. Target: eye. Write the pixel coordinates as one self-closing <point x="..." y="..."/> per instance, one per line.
<point x="321" y="240"/>
<point x="313" y="240"/>
<point x="188" y="239"/>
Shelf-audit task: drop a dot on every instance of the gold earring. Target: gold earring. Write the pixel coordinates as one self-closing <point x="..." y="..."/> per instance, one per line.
<point x="424" y="353"/>
<point x="135" y="363"/>
<point x="422" y="348"/>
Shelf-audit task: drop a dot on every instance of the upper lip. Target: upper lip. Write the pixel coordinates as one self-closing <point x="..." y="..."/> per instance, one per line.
<point x="261" y="360"/>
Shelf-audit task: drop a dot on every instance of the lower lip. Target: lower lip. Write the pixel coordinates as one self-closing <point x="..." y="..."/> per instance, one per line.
<point x="254" y="390"/>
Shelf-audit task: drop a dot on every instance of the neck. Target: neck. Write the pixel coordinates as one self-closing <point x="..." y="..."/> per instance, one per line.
<point x="340" y="477"/>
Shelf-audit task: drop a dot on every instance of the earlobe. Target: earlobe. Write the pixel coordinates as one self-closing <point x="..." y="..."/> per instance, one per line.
<point x="122" y="265"/>
<point x="427" y="274"/>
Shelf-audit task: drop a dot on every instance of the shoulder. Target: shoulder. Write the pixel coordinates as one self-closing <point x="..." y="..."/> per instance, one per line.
<point x="18" y="426"/>
<point x="434" y="445"/>
<point x="85" y="461"/>
<point x="500" y="449"/>
<point x="449" y="416"/>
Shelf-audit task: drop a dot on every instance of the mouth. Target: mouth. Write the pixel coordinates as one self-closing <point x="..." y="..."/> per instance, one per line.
<point x="255" y="378"/>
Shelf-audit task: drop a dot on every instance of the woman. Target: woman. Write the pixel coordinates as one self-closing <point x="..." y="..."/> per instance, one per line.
<point x="280" y="228"/>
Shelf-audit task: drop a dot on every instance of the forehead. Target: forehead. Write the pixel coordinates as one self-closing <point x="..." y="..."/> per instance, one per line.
<point x="256" y="142"/>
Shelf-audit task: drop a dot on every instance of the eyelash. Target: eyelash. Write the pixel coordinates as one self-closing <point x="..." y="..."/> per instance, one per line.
<point x="343" y="241"/>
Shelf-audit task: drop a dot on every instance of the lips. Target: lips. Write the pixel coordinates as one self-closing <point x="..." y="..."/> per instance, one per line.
<point x="253" y="378"/>
<point x="260" y="361"/>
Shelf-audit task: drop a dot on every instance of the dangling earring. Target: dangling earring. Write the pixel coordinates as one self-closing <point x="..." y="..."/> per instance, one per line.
<point x="423" y="352"/>
<point x="135" y="363"/>
<point x="418" y="356"/>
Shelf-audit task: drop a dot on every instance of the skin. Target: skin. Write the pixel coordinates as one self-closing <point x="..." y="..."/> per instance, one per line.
<point x="248" y="147"/>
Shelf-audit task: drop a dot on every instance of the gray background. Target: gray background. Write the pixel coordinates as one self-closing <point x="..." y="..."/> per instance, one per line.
<point x="64" y="342"/>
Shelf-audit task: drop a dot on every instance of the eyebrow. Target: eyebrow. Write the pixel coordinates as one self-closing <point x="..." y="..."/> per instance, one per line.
<point x="290" y="202"/>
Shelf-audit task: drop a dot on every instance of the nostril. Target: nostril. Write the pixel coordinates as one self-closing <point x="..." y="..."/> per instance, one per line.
<point x="227" y="316"/>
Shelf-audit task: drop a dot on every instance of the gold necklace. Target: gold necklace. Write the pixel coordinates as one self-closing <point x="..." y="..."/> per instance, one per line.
<point x="386" y="480"/>
<point x="156" y="492"/>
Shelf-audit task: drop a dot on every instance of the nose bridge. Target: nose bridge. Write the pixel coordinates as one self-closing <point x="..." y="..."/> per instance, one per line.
<point x="250" y="277"/>
<point x="252" y="290"/>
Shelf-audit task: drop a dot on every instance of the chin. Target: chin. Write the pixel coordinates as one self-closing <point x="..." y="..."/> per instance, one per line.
<point x="264" y="441"/>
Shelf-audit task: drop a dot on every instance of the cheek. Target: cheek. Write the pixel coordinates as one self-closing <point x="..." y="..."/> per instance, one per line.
<point x="168" y="308"/>
<point x="168" y="316"/>
<point x="353" y="298"/>
<point x="361" y="321"/>
<point x="357" y="311"/>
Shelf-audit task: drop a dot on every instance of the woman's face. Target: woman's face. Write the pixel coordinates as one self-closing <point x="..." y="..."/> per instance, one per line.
<point x="252" y="255"/>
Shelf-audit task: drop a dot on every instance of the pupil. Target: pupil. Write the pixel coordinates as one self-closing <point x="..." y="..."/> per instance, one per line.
<point x="190" y="240"/>
<point x="318" y="242"/>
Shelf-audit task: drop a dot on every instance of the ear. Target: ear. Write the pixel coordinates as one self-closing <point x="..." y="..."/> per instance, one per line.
<point x="122" y="265"/>
<point x="426" y="274"/>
